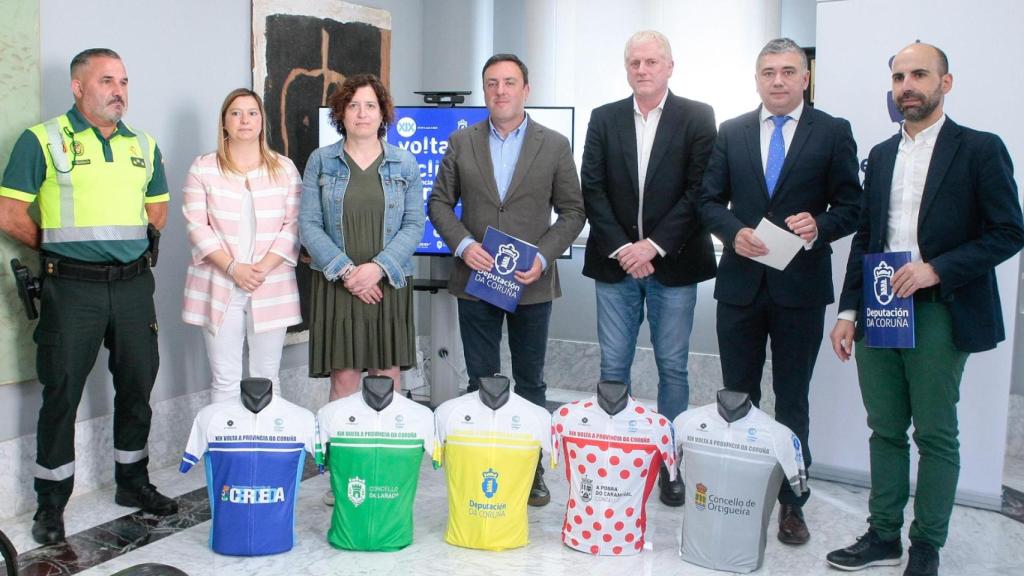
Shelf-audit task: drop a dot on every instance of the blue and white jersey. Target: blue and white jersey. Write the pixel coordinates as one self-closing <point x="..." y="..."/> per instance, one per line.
<point x="253" y="470"/>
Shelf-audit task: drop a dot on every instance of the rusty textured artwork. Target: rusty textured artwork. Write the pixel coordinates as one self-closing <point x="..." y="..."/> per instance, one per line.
<point x="306" y="59"/>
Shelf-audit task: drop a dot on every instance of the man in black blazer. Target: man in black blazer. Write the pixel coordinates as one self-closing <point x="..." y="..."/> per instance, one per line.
<point x="946" y="194"/>
<point x="642" y="165"/>
<point x="796" y="167"/>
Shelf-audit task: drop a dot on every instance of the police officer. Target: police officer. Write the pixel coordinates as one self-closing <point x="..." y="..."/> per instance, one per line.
<point x="97" y="184"/>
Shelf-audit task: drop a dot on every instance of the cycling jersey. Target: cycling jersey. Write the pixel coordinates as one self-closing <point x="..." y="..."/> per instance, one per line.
<point x="611" y="463"/>
<point x="490" y="458"/>
<point x="732" y="472"/>
<point x="374" y="459"/>
<point x="253" y="469"/>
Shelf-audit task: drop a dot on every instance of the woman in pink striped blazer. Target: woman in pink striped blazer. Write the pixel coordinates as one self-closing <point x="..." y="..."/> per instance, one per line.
<point x="241" y="203"/>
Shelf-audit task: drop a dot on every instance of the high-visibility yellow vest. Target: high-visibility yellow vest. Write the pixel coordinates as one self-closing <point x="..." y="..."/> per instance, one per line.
<point x="93" y="193"/>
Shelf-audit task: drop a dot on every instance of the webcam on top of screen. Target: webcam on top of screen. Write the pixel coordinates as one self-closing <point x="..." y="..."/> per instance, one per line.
<point x="448" y="98"/>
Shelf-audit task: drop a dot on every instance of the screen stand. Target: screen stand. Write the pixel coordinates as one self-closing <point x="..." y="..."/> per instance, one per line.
<point x="445" y="340"/>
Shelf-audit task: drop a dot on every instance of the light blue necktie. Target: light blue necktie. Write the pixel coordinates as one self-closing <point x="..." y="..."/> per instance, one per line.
<point x="776" y="155"/>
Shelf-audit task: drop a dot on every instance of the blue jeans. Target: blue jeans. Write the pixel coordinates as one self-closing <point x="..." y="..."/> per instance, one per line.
<point x="620" y="311"/>
<point x="480" y="324"/>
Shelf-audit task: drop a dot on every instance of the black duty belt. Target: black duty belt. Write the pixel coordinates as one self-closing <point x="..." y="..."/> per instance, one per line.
<point x="93" y="272"/>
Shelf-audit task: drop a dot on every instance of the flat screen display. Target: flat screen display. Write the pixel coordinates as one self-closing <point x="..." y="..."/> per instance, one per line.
<point x="424" y="131"/>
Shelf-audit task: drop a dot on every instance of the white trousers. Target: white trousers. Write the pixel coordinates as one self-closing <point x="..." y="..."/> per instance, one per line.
<point x="225" y="350"/>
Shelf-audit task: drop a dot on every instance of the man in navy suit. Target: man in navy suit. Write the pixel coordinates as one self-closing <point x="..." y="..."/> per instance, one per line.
<point x="642" y="167"/>
<point x="796" y="167"/>
<point x="946" y="194"/>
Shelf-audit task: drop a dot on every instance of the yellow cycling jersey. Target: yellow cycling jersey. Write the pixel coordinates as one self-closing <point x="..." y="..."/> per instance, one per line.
<point x="490" y="458"/>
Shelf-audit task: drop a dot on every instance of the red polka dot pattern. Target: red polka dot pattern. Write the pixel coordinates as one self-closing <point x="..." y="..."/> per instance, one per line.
<point x="609" y="464"/>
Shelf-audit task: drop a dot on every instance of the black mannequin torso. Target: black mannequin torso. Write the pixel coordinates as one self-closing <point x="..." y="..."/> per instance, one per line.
<point x="378" y="391"/>
<point x="733" y="405"/>
<point x="494" y="391"/>
<point x="256" y="393"/>
<point x="611" y="396"/>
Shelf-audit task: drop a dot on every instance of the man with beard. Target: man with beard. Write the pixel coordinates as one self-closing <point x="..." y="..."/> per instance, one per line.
<point x="98" y="184"/>
<point x="946" y="194"/>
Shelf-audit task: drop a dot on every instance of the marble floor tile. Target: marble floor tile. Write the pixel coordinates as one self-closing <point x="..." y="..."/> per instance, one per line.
<point x="97" y="507"/>
<point x="981" y="543"/>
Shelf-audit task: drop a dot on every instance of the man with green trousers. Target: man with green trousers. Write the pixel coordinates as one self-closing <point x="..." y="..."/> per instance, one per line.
<point x="946" y="194"/>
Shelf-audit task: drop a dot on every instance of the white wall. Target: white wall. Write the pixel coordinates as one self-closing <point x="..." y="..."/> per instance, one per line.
<point x="798" y="21"/>
<point x="457" y="40"/>
<point x="855" y="41"/>
<point x="714" y="45"/>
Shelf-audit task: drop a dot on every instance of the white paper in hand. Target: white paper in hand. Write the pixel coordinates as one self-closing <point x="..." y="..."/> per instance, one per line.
<point x="782" y="245"/>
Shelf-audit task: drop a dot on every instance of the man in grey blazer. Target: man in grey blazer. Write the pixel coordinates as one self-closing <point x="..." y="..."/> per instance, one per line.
<point x="509" y="172"/>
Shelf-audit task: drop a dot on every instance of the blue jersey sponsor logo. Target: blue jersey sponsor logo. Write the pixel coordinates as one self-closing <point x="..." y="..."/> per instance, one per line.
<point x="252" y="494"/>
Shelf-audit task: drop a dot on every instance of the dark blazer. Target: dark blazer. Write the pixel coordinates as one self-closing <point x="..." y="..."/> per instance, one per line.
<point x="544" y="178"/>
<point x="610" y="180"/>
<point x="969" y="222"/>
<point x="819" y="176"/>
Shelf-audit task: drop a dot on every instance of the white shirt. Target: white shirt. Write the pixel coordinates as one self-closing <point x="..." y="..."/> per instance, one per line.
<point x="247" y="224"/>
<point x="646" y="129"/>
<point x="788" y="129"/>
<point x="913" y="157"/>
<point x="246" y="234"/>
<point x="768" y="128"/>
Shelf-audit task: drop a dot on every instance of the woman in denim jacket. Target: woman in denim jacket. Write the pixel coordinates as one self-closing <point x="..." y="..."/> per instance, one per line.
<point x="361" y="218"/>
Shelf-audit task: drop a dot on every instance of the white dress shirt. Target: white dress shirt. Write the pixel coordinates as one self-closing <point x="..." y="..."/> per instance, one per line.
<point x="908" y="177"/>
<point x="788" y="130"/>
<point x="913" y="157"/>
<point x="768" y="127"/>
<point x="646" y="129"/>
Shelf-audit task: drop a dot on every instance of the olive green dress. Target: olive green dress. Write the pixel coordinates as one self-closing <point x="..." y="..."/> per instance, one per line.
<point x="346" y="333"/>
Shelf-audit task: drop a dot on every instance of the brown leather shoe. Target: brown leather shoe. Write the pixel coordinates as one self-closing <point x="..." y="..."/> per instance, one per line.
<point x="792" y="528"/>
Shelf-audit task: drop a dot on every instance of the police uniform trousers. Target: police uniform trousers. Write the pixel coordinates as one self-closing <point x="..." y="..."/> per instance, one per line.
<point x="76" y="316"/>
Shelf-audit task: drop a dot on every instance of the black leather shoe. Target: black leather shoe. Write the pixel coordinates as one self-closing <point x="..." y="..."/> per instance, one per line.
<point x="671" y="492"/>
<point x="868" y="550"/>
<point x="147" y="499"/>
<point x="539" y="494"/>
<point x="792" y="528"/>
<point x="48" y="527"/>
<point x="924" y="560"/>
